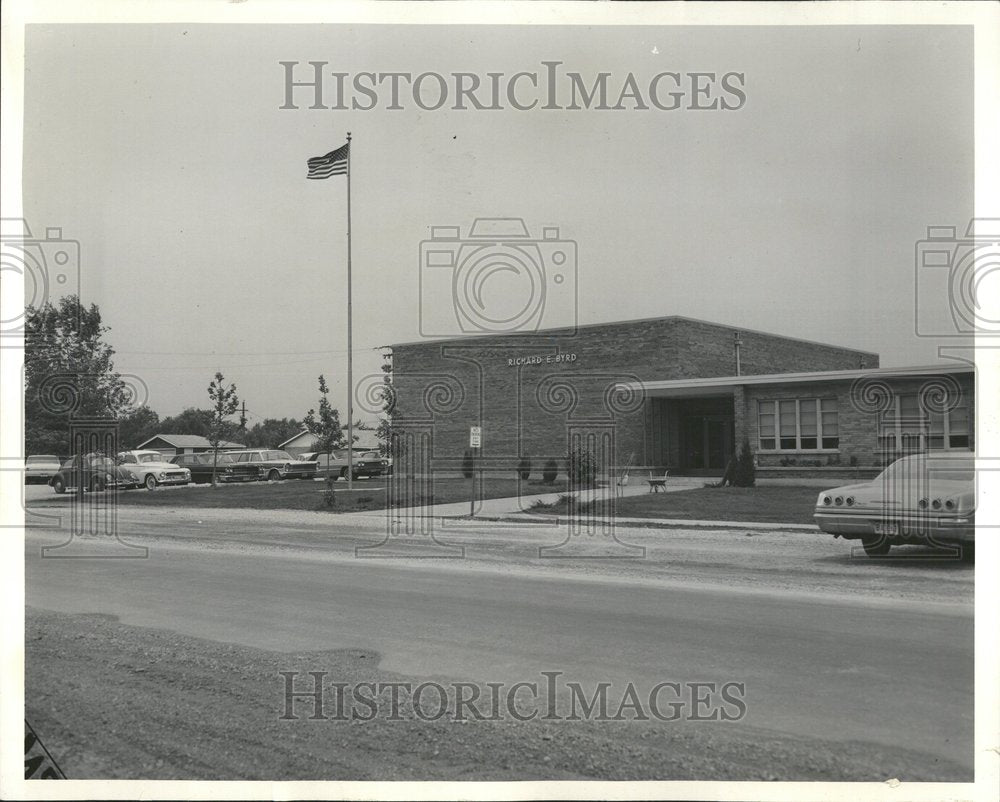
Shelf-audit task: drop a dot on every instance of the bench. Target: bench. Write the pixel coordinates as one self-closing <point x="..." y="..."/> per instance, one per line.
<point x="656" y="484"/>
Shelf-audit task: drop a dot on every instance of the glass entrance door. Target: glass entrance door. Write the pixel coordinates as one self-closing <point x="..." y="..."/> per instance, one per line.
<point x="707" y="441"/>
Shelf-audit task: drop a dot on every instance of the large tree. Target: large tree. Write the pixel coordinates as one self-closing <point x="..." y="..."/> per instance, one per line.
<point x="69" y="372"/>
<point x="190" y="421"/>
<point x="270" y="432"/>
<point x="136" y="426"/>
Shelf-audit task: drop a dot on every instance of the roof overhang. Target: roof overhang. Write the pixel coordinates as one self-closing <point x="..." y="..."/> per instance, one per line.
<point x="725" y="386"/>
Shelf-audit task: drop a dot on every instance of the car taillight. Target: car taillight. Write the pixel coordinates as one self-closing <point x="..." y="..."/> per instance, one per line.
<point x="839" y="500"/>
<point x="949" y="504"/>
<point x="826" y="500"/>
<point x="936" y="504"/>
<point x="922" y="504"/>
<point x="850" y="501"/>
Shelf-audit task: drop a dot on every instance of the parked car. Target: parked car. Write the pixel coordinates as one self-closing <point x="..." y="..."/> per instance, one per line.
<point x="275" y="465"/>
<point x="927" y="499"/>
<point x="367" y="463"/>
<point x="93" y="472"/>
<point x="149" y="468"/>
<point x="227" y="468"/>
<point x="40" y="468"/>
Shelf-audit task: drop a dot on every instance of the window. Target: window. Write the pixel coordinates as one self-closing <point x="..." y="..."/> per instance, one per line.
<point x="907" y="428"/>
<point x="798" y="424"/>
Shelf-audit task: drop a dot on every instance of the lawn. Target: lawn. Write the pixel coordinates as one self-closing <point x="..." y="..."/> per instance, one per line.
<point x="767" y="504"/>
<point x="368" y="494"/>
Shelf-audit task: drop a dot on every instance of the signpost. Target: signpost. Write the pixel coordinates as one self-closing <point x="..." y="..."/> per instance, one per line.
<point x="475" y="442"/>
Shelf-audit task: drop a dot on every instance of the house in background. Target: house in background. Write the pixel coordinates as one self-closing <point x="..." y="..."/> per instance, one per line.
<point x="172" y="444"/>
<point x="305" y="441"/>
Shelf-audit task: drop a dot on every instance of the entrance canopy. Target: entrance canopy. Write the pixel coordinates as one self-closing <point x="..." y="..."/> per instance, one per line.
<point x="725" y="386"/>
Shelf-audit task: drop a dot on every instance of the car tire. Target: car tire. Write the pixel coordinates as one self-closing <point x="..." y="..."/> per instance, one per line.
<point x="343" y="473"/>
<point x="58" y="485"/>
<point x="876" y="548"/>
<point x="968" y="552"/>
<point x="150" y="482"/>
<point x="273" y="475"/>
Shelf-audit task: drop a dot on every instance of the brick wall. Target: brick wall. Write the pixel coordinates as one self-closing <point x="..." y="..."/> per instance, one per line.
<point x="565" y="385"/>
<point x="857" y="413"/>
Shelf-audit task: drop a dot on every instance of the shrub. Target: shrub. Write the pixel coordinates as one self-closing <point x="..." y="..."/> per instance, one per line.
<point x="524" y="468"/>
<point x="550" y="472"/>
<point x="854" y="460"/>
<point x="582" y="466"/>
<point x="467" y="464"/>
<point x="745" y="474"/>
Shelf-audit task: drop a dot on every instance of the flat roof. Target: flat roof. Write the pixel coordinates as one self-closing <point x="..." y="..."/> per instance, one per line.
<point x="726" y="385"/>
<point x="543" y="332"/>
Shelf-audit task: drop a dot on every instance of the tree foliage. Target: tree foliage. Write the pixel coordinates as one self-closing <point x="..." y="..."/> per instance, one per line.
<point x="68" y="371"/>
<point x="137" y="426"/>
<point x="271" y="432"/>
<point x="325" y="423"/>
<point x="190" y="421"/>
<point x="225" y="402"/>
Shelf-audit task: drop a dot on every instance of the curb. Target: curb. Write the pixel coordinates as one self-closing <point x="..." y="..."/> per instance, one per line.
<point x="648" y="523"/>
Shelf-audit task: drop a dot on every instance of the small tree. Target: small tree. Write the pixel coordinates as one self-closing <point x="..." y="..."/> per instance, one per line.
<point x="524" y="468"/>
<point x="467" y="464"/>
<point x="550" y="471"/>
<point x="745" y="472"/>
<point x="224" y="403"/>
<point x="583" y="466"/>
<point x="325" y="426"/>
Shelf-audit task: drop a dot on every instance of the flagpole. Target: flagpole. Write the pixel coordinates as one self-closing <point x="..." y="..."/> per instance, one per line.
<point x="350" y="352"/>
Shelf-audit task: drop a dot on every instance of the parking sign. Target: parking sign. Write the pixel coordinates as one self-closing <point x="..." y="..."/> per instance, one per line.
<point x="475" y="436"/>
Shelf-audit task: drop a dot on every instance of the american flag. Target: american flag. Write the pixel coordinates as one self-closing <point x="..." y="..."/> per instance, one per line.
<point x="333" y="163"/>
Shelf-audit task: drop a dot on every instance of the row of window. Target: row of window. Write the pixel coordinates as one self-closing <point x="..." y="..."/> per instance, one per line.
<point x="811" y="424"/>
<point x="801" y="424"/>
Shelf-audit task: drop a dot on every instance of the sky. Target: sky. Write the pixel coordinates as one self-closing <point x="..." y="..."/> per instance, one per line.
<point x="164" y="151"/>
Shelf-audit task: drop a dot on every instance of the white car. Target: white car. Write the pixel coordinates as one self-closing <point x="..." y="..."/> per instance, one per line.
<point x="149" y="468"/>
<point x="41" y="468"/>
<point x="926" y="498"/>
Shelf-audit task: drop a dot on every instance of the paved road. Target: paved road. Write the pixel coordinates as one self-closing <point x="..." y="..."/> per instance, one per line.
<point x="862" y="663"/>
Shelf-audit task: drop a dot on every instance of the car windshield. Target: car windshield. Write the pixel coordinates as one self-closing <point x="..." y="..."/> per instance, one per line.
<point x="102" y="462"/>
<point x="942" y="468"/>
<point x="279" y="455"/>
<point x="42" y="458"/>
<point x="150" y="458"/>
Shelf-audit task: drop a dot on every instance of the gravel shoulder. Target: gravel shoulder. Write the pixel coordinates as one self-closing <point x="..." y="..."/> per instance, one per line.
<point x="115" y="701"/>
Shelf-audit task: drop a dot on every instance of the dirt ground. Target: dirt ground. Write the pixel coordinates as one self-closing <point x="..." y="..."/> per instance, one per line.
<point x="116" y="701"/>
